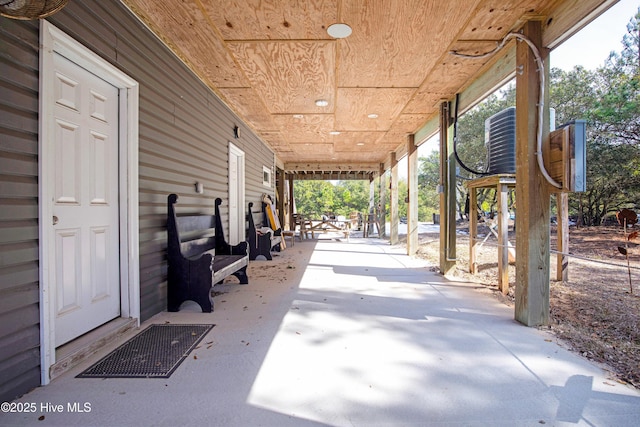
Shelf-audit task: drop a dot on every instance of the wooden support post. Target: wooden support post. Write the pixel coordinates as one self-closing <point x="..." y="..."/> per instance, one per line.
<point x="372" y="195"/>
<point x="382" y="188"/>
<point x="532" y="190"/>
<point x="372" y="209"/>
<point x="562" y="261"/>
<point x="412" y="206"/>
<point x="447" y="192"/>
<point x="292" y="225"/>
<point x="451" y="190"/>
<point x="473" y="230"/>
<point x="503" y="238"/>
<point x="280" y="198"/>
<point x="393" y="201"/>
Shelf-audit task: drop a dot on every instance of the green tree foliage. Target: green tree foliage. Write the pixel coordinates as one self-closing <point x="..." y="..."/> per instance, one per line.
<point x="612" y="181"/>
<point x="403" y="193"/>
<point x="609" y="99"/>
<point x="314" y="198"/>
<point x="428" y="181"/>
<point x="571" y="93"/>
<point x="317" y="198"/>
<point x="617" y="111"/>
<point x="342" y="198"/>
<point x="353" y="197"/>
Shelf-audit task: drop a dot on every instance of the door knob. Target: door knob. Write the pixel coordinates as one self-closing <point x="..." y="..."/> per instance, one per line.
<point x="55" y="220"/>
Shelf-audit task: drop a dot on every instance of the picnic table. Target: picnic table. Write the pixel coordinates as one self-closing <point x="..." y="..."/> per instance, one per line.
<point x="314" y="226"/>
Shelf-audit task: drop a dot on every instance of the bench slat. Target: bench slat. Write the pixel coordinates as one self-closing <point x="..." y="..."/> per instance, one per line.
<point x="224" y="265"/>
<point x="195" y="248"/>
<point x="189" y="223"/>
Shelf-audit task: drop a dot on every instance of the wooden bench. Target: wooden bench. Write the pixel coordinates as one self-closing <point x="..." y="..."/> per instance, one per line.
<point x="199" y="257"/>
<point x="291" y="235"/>
<point x="260" y="243"/>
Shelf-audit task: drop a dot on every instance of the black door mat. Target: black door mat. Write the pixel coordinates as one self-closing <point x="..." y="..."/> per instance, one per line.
<point x="156" y="352"/>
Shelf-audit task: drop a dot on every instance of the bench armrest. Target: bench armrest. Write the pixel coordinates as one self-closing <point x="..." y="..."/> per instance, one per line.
<point x="241" y="248"/>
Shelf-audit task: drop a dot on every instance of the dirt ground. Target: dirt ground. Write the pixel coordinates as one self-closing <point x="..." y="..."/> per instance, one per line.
<point x="594" y="313"/>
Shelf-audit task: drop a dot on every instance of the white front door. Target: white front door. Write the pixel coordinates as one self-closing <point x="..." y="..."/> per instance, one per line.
<point x="85" y="201"/>
<point x="236" y="196"/>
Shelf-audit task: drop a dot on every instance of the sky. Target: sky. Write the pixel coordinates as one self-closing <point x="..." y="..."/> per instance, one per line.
<point x="591" y="46"/>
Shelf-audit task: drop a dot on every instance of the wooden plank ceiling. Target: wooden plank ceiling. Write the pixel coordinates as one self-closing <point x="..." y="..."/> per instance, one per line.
<point x="271" y="60"/>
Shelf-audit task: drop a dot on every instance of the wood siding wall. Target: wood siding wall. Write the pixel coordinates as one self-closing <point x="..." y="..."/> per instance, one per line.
<point x="19" y="292"/>
<point x="184" y="132"/>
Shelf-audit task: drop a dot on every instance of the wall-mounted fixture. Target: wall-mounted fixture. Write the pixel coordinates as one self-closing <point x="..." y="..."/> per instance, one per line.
<point x="266" y="176"/>
<point x="567" y="158"/>
<point x="199" y="188"/>
<point x="236" y="132"/>
<point x="339" y="31"/>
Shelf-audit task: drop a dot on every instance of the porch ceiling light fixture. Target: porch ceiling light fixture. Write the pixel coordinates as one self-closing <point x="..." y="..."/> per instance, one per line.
<point x="339" y="31"/>
<point x="372" y="116"/>
<point x="322" y="102"/>
<point x="334" y="132"/>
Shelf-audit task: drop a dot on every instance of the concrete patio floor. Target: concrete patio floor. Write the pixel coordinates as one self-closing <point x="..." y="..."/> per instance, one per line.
<point x="336" y="333"/>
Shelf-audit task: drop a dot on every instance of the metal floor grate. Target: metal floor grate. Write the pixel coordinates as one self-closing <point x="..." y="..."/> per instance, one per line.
<point x="156" y="352"/>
